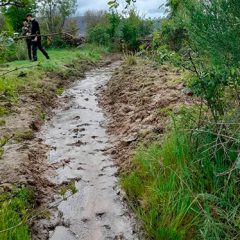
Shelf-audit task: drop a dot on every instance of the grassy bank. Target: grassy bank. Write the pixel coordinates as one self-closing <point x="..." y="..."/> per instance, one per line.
<point x="187" y="187"/>
<point x="30" y="87"/>
<point x="42" y="79"/>
<point x="18" y="75"/>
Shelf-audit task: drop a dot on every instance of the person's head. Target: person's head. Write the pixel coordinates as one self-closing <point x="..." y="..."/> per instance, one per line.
<point x="29" y="16"/>
<point x="25" y="23"/>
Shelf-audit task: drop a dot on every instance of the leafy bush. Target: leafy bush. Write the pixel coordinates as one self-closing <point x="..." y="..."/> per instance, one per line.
<point x="119" y="31"/>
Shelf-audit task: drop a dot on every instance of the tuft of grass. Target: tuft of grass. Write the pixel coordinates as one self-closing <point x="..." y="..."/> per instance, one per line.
<point x="70" y="186"/>
<point x="1" y="152"/>
<point x="130" y="59"/>
<point x="3" y="111"/>
<point x="42" y="116"/>
<point x="179" y="190"/>
<point x="2" y="122"/>
<point x="23" y="135"/>
<point x="15" y="209"/>
<point x="59" y="91"/>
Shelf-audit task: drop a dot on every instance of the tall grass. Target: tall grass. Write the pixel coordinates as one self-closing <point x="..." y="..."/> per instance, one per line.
<point x="187" y="187"/>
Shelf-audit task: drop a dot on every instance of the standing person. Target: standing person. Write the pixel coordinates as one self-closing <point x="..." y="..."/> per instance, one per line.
<point x="26" y="32"/>
<point x="36" y="37"/>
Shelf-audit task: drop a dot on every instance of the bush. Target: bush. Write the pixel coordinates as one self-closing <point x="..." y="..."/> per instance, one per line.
<point x="21" y="50"/>
<point x="118" y="31"/>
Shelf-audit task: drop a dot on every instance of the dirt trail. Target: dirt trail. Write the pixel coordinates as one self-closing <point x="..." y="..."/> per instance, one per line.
<point x="78" y="141"/>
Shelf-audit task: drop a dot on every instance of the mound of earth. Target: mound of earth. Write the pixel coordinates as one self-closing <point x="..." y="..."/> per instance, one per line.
<point x="137" y="100"/>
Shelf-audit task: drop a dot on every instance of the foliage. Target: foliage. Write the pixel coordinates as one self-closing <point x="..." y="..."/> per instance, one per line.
<point x="17" y="3"/>
<point x="120" y="31"/>
<point x="15" y="209"/>
<point x="10" y="50"/>
<point x="187" y="188"/>
<point x="16" y="15"/>
<point x="55" y="13"/>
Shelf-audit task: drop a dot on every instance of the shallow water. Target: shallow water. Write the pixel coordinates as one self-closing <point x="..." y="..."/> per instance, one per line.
<point x="78" y="141"/>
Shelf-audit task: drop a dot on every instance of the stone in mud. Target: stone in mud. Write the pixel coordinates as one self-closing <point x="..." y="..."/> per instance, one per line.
<point x="36" y="125"/>
<point x="79" y="143"/>
<point x="187" y="91"/>
<point x="129" y="139"/>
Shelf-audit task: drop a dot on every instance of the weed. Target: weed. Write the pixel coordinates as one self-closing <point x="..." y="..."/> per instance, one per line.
<point x="130" y="59"/>
<point x="59" y="91"/>
<point x="70" y="186"/>
<point x="3" y="111"/>
<point x="1" y="152"/>
<point x="42" y="116"/>
<point x="23" y="135"/>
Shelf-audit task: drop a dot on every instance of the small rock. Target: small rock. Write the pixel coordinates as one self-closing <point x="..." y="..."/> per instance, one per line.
<point x="130" y="139"/>
<point x="187" y="91"/>
<point x="36" y="125"/>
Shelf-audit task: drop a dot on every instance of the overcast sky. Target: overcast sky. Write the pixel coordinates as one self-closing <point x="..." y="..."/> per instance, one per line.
<point x="149" y="8"/>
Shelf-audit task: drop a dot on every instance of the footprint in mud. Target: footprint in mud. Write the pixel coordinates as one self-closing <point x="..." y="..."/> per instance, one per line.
<point x="80" y="168"/>
<point x="84" y="125"/>
<point x="79" y="136"/>
<point x="79" y="143"/>
<point x="77" y="118"/>
<point x="107" y="227"/>
<point x="77" y="130"/>
<point x="100" y="215"/>
<point x="110" y="166"/>
<point x="85" y="220"/>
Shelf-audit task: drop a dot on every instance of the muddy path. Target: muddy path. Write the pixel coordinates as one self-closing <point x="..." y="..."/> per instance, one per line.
<point x="78" y="141"/>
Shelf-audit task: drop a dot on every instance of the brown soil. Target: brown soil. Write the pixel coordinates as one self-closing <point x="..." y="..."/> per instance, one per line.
<point x="137" y="100"/>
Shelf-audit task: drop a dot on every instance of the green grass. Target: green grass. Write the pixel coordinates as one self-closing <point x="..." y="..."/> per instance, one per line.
<point x="65" y="63"/>
<point x="15" y="209"/>
<point x="176" y="191"/>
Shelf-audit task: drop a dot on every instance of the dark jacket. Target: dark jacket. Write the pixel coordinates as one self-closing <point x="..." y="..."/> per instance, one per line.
<point x="35" y="29"/>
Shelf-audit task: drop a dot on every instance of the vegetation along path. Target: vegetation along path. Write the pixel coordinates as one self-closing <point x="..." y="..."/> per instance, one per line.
<point x="78" y="140"/>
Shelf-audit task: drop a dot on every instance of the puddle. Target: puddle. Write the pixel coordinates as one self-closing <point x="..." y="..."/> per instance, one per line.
<point x="78" y="138"/>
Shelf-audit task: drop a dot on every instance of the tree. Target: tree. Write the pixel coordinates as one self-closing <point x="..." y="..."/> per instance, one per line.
<point x="15" y="15"/>
<point x="17" y="3"/>
<point x="56" y="12"/>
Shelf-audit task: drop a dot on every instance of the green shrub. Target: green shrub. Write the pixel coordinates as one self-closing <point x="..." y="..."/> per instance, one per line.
<point x="115" y="30"/>
<point x="21" y="50"/>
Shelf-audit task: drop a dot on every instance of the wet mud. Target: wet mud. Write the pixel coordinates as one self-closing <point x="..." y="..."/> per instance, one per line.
<point x="78" y="142"/>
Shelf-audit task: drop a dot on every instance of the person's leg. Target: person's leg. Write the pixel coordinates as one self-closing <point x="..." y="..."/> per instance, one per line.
<point x="29" y="46"/>
<point x="40" y="47"/>
<point x="34" y="50"/>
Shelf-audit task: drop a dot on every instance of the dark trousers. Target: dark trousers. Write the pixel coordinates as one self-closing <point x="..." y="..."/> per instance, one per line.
<point x="29" y="47"/>
<point x="38" y="45"/>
